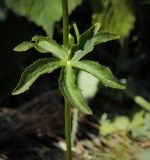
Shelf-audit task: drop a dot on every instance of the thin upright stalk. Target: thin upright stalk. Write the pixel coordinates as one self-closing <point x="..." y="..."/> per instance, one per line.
<point x="77" y="33"/>
<point x="68" y="130"/>
<point x="65" y="22"/>
<point x="74" y="126"/>
<point x="67" y="105"/>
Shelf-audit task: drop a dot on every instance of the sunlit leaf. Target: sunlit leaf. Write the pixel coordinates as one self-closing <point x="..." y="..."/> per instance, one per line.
<point x="71" y="91"/>
<point x="49" y="45"/>
<point x="142" y="102"/>
<point x="103" y="73"/>
<point x="42" y="12"/>
<point x="34" y="71"/>
<point x="115" y="15"/>
<point x="24" y="46"/>
<point x="121" y="123"/>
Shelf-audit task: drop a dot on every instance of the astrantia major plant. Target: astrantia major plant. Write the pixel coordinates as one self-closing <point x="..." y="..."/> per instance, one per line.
<point x="69" y="59"/>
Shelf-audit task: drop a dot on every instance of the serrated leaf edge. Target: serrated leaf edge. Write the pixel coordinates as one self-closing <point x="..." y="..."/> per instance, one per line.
<point x="17" y="91"/>
<point x="86" y="109"/>
<point x="117" y="83"/>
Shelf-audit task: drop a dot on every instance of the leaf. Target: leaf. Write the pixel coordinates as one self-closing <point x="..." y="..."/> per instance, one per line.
<point x="71" y="40"/>
<point x="87" y="84"/>
<point x="121" y="123"/>
<point x="42" y="12"/>
<point x="102" y="37"/>
<point x="138" y="94"/>
<point x="34" y="71"/>
<point x="114" y="15"/>
<point x="71" y="91"/>
<point x="89" y="39"/>
<point x="141" y="101"/>
<point x="137" y="120"/>
<point x="86" y="36"/>
<point x="24" y="46"/>
<point x="102" y="73"/>
<point x="46" y="44"/>
<point x="3" y="13"/>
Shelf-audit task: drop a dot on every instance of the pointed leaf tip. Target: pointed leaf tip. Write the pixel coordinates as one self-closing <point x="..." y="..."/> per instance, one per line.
<point x="50" y="46"/>
<point x="97" y="27"/>
<point x="102" y="73"/>
<point x="34" y="71"/>
<point x="24" y="46"/>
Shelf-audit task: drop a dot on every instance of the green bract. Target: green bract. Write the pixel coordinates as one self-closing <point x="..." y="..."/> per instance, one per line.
<point x="69" y="59"/>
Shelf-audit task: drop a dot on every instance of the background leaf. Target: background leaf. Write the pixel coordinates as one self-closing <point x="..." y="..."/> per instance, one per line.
<point x="88" y="84"/>
<point x="42" y="12"/>
<point x="114" y="15"/>
<point x="3" y="14"/>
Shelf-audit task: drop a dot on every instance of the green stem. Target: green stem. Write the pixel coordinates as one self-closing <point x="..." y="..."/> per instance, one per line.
<point x="67" y="105"/>
<point x="65" y="22"/>
<point x="68" y="130"/>
<point x="74" y="126"/>
<point x="76" y="32"/>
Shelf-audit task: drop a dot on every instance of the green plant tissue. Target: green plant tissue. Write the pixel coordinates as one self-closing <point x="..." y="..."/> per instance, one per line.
<point x="88" y="84"/>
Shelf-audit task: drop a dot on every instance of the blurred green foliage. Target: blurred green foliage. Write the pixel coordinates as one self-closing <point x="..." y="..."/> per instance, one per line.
<point x="121" y="17"/>
<point x="2" y="15"/>
<point x="44" y="13"/>
<point x="114" y="15"/>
